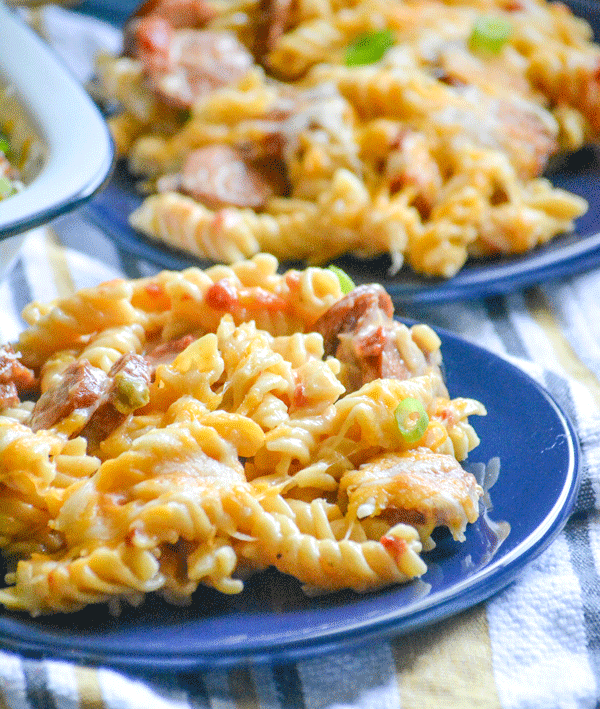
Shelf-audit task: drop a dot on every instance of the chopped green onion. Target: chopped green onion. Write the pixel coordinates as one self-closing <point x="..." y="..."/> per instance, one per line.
<point x="4" y="144"/>
<point x="130" y="394"/>
<point x="489" y="34"/>
<point x="412" y="419"/>
<point x="346" y="283"/>
<point x="369" y="47"/>
<point x="6" y="187"/>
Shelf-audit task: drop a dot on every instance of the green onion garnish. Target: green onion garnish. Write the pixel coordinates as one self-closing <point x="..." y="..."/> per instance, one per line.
<point x="346" y="283"/>
<point x="369" y="47"/>
<point x="4" y="144"/>
<point x="412" y="419"/>
<point x="6" y="187"/>
<point x="489" y="34"/>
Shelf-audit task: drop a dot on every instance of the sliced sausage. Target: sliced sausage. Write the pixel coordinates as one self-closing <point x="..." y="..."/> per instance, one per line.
<point x="8" y="395"/>
<point x="178" y="13"/>
<point x="360" y="331"/>
<point x="186" y="64"/>
<point x="166" y="352"/>
<point x="218" y="176"/>
<point x="346" y="315"/>
<point x="15" y="377"/>
<point x="82" y="387"/>
<point x="273" y="18"/>
<point x="118" y="400"/>
<point x="527" y="136"/>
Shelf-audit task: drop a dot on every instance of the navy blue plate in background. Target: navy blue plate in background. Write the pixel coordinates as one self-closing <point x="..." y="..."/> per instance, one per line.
<point x="273" y="621"/>
<point x="566" y="255"/>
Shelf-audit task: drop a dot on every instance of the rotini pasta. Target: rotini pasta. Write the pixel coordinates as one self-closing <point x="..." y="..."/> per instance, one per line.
<point x="314" y="129"/>
<point x="193" y="427"/>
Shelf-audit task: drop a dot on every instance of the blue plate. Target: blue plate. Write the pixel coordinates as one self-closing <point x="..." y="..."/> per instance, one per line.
<point x="78" y="150"/>
<point x="566" y="255"/>
<point x="272" y="620"/>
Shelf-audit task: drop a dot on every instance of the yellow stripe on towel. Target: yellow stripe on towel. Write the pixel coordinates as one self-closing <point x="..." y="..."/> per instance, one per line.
<point x="90" y="694"/>
<point x="58" y="263"/>
<point x="447" y="665"/>
<point x="540" y="310"/>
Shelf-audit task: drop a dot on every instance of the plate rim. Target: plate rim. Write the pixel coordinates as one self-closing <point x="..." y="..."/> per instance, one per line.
<point x="459" y="596"/>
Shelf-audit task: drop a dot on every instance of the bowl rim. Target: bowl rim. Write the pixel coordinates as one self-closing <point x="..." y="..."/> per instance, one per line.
<point x="79" y="149"/>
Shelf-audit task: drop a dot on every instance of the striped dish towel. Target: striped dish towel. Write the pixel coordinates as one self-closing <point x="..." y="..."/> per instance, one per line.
<point x="534" y="645"/>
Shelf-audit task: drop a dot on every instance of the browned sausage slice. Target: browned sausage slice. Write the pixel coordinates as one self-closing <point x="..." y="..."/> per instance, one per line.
<point x="15" y="377"/>
<point x="81" y="387"/>
<point x="127" y="390"/>
<point x="166" y="352"/>
<point x="360" y="331"/>
<point x="273" y="17"/>
<point x="183" y="65"/>
<point x="346" y="315"/>
<point x="218" y="176"/>
<point x="178" y="13"/>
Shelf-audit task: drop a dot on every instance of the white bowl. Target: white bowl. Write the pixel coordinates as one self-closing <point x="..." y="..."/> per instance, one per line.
<point x="77" y="148"/>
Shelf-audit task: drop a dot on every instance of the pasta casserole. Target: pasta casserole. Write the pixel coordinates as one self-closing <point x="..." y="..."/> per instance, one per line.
<point x="191" y="428"/>
<point x="308" y="129"/>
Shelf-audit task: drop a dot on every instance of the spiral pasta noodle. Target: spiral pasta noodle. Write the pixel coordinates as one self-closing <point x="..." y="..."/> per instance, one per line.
<point x="320" y="129"/>
<point x="191" y="428"/>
